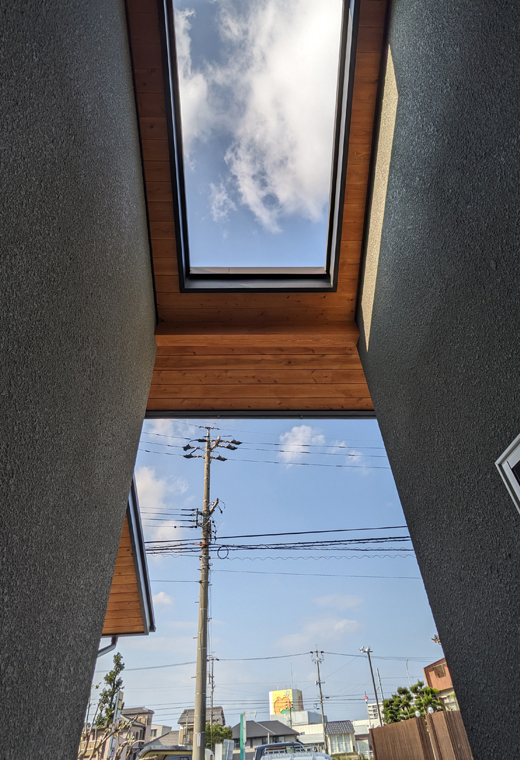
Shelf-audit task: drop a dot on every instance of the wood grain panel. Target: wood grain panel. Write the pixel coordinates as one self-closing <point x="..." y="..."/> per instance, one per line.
<point x="255" y="362"/>
<point x="124" y="613"/>
<point x="256" y="376"/>
<point x="214" y="348"/>
<point x="274" y="391"/>
<point x="325" y="404"/>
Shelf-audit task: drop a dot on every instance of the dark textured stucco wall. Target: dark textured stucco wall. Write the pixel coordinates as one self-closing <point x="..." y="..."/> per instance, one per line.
<point x="443" y="360"/>
<point x="77" y="348"/>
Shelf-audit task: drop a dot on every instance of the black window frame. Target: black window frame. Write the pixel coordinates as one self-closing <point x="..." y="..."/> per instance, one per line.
<point x="261" y="279"/>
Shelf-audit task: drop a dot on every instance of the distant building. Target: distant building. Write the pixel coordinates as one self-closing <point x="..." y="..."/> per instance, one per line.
<point x="438" y="677"/>
<point x="158" y="730"/>
<point x="187" y="719"/>
<point x="362" y="735"/>
<point x="309" y="726"/>
<point x="284" y="701"/>
<point x="141" y="718"/>
<point x="264" y="732"/>
<point x="341" y="737"/>
<point x="373" y="714"/>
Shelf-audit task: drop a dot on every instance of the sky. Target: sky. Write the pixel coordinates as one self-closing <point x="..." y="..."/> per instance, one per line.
<point x="257" y="82"/>
<point x="270" y="604"/>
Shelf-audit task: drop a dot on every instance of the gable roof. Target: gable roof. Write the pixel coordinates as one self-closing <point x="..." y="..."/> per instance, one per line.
<point x="188" y="716"/>
<point x="256" y="729"/>
<point x="339" y="727"/>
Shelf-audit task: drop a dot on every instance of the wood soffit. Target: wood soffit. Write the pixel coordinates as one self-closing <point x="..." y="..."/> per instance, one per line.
<point x="124" y="613"/>
<point x="254" y="351"/>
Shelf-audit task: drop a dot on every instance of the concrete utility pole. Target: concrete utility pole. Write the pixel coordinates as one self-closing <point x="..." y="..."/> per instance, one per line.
<point x="211" y="681"/>
<point x="367" y="651"/>
<point x="380" y="685"/>
<point x="199" y="721"/>
<point x="318" y="657"/>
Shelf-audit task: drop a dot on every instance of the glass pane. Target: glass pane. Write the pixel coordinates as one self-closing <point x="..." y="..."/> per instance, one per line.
<point x="258" y="86"/>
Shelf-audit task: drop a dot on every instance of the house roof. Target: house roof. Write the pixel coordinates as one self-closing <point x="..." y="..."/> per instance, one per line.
<point x="257" y="729"/>
<point x="217" y="716"/>
<point x="166" y="741"/>
<point x="339" y="727"/>
<point x="136" y="711"/>
<point x="130" y="609"/>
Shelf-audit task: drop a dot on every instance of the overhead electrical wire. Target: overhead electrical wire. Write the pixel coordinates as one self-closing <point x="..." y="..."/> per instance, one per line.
<point x="343" y="444"/>
<point x="290" y="451"/>
<point x="293" y="464"/>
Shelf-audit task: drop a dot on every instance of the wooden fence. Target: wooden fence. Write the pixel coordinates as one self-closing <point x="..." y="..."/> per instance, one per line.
<point x="448" y="736"/>
<point x="407" y="740"/>
<point x="444" y="739"/>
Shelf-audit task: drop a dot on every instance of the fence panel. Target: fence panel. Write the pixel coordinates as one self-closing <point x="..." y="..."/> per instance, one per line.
<point x="407" y="740"/>
<point x="448" y="736"/>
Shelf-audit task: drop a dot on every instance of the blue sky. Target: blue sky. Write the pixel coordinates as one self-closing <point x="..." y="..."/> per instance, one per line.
<point x="258" y="90"/>
<point x="259" y="614"/>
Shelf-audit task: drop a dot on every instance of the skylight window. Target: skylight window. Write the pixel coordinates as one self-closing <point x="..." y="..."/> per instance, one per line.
<point x="259" y="122"/>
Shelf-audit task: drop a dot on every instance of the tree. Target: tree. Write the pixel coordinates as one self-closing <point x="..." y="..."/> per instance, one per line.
<point x="107" y="698"/>
<point x="406" y="702"/>
<point x="215" y="734"/>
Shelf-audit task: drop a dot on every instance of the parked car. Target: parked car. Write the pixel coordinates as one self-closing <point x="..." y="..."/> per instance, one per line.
<point x="281" y="748"/>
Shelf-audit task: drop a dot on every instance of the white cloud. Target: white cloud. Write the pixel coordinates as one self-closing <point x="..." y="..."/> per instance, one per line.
<point x="274" y="97"/>
<point x="220" y="202"/>
<point x="338" y="601"/>
<point x="151" y="490"/>
<point x="196" y="115"/>
<point x="319" y="632"/>
<point x="154" y="494"/>
<point x="295" y="444"/>
<point x="162" y="598"/>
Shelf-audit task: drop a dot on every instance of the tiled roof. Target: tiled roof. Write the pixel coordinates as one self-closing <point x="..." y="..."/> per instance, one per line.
<point x="188" y="716"/>
<point x="339" y="727"/>
<point x="258" y="729"/>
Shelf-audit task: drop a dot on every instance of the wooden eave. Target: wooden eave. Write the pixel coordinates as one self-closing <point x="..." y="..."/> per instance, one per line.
<point x="262" y="351"/>
<point x="129" y="610"/>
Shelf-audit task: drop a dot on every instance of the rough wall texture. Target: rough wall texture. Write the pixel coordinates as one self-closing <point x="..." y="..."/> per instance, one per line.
<point x="77" y="348"/>
<point x="443" y="362"/>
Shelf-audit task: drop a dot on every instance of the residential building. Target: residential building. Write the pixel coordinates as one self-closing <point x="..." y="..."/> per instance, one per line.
<point x="263" y="732"/>
<point x="373" y="712"/>
<point x="427" y="237"/>
<point x="157" y="730"/>
<point x="309" y="727"/>
<point x="437" y="676"/>
<point x="141" y="718"/>
<point x="341" y="737"/>
<point x="187" y="719"/>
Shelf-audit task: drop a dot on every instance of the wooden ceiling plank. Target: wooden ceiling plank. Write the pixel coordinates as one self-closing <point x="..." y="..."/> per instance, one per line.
<point x="250" y="362"/>
<point x="261" y="351"/>
<point x="223" y="391"/>
<point x="256" y="376"/>
<point x="326" y="403"/>
<point x="333" y="333"/>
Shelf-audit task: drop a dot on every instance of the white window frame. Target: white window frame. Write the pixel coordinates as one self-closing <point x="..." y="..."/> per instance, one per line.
<point x="505" y="464"/>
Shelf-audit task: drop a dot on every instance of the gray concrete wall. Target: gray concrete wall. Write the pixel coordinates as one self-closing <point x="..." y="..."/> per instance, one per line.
<point x="440" y="346"/>
<point x="77" y="348"/>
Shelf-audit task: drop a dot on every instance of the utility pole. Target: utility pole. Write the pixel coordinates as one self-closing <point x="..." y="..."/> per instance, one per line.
<point x="317" y="658"/>
<point x="211" y="681"/>
<point x="199" y="721"/>
<point x="380" y="685"/>
<point x="367" y="651"/>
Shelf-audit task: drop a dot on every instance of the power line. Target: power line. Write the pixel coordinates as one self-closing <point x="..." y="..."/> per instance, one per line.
<point x="292" y="464"/>
<point x="308" y="575"/>
<point x="343" y="444"/>
<point x="296" y="450"/>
